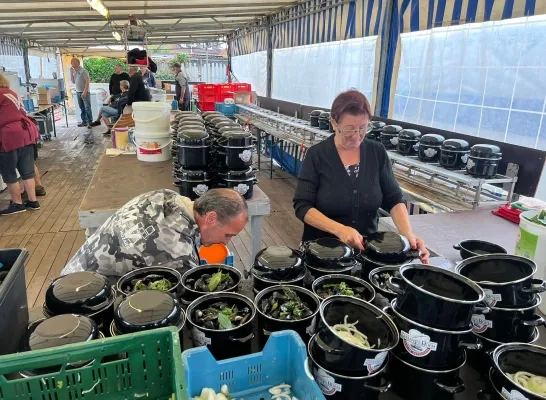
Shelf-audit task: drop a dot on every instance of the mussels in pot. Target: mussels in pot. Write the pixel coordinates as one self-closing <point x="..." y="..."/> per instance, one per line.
<point x="149" y="278"/>
<point x="222" y="315"/>
<point x="285" y="306"/>
<point x="343" y="285"/>
<point x="217" y="282"/>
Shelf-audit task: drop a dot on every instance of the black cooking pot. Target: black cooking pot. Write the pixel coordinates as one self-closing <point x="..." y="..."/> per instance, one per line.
<point x="415" y="383"/>
<point x="225" y="343"/>
<point x="491" y="392"/>
<point x="236" y="157"/>
<point x="374" y="130"/>
<point x="344" y="386"/>
<point x="389" y="136"/>
<point x="509" y="324"/>
<point x="242" y="181"/>
<point x="57" y="331"/>
<point x="512" y="358"/>
<point x="389" y="248"/>
<point x="473" y="248"/>
<point x="339" y="355"/>
<point x="304" y="327"/>
<point x="83" y="293"/>
<point x="430" y="146"/>
<point x="324" y="121"/>
<point x="369" y="264"/>
<point x="260" y="283"/>
<point x="278" y="263"/>
<point x="314" y="117"/>
<point x="173" y="276"/>
<point x="189" y="294"/>
<point x="454" y="154"/>
<point x="407" y="139"/>
<point x="357" y="285"/>
<point x="193" y="183"/>
<point x="430" y="348"/>
<point x="378" y="280"/>
<point x="436" y="297"/>
<point x="483" y="160"/>
<point x="328" y="253"/>
<point x="506" y="279"/>
<point x="481" y="360"/>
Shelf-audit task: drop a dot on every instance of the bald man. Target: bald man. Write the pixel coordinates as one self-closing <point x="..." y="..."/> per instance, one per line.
<point x="80" y="78"/>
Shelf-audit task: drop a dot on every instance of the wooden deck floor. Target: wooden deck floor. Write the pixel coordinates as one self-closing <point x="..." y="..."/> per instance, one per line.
<point x="52" y="234"/>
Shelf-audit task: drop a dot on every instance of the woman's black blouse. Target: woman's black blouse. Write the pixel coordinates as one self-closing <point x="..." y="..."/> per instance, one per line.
<point x="324" y="184"/>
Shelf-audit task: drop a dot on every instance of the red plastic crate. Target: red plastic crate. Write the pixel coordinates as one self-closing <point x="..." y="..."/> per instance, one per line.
<point x="220" y="97"/>
<point x="207" y="98"/>
<point x="207" y="88"/>
<point x="242" y="87"/>
<point x="224" y="88"/>
<point x="206" y="106"/>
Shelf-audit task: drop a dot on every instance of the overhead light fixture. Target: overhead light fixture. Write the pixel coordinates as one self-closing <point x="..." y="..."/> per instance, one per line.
<point x="99" y="7"/>
<point x="116" y="36"/>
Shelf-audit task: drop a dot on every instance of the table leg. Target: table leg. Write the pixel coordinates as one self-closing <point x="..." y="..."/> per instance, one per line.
<point x="52" y="109"/>
<point x="256" y="236"/>
<point x="65" y="112"/>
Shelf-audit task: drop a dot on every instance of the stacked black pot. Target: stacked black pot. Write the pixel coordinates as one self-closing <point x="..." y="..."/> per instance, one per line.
<point x="433" y="311"/>
<point x="193" y="159"/>
<point x="513" y="296"/>
<point x="374" y="130"/>
<point x="483" y="160"/>
<point x="277" y="265"/>
<point x="344" y="370"/>
<point x="389" y="136"/>
<point x="408" y="142"/>
<point x="430" y="147"/>
<point x="314" y="118"/>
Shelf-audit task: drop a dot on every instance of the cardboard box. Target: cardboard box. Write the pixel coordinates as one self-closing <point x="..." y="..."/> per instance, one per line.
<point x="44" y="91"/>
<point x="242" y="97"/>
<point x="44" y="99"/>
<point x="170" y="97"/>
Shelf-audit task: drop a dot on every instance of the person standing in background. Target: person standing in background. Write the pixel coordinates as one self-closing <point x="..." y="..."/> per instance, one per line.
<point x="116" y="79"/>
<point x="183" y="95"/>
<point x="137" y="89"/>
<point x="80" y="77"/>
<point x="148" y="77"/>
<point x="18" y="134"/>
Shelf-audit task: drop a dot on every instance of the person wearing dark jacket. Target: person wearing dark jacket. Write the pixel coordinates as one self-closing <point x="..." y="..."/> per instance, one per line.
<point x="345" y="179"/>
<point x="116" y="78"/>
<point x="114" y="109"/>
<point x="137" y="88"/>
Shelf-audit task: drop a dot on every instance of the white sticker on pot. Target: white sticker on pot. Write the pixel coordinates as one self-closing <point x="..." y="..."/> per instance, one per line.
<point x="430" y="152"/>
<point x="200" y="189"/>
<point x="241" y="188"/>
<point x="464" y="159"/>
<point x="417" y="344"/>
<point x="470" y="164"/>
<point x="311" y="328"/>
<point x="394" y="141"/>
<point x="492" y="298"/>
<point x="513" y="395"/>
<point x="375" y="364"/>
<point x="199" y="338"/>
<point x="416" y="147"/>
<point x="246" y="155"/>
<point x="326" y="383"/>
<point x="480" y="324"/>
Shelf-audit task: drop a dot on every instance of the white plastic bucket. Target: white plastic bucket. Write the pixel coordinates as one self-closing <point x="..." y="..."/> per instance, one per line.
<point x="152" y="148"/>
<point x="152" y="118"/>
<point x="532" y="244"/>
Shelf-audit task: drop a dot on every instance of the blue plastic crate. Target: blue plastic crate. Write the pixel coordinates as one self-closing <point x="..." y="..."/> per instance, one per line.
<point x="283" y="360"/>
<point x="226" y="109"/>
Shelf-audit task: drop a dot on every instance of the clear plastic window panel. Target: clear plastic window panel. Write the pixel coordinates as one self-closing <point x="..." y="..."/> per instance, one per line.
<point x="14" y="64"/>
<point x="315" y="74"/>
<point x="487" y="80"/>
<point x="252" y="68"/>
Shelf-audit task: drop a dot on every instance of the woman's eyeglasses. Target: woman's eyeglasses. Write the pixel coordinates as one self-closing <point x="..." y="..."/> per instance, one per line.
<point x="352" y="132"/>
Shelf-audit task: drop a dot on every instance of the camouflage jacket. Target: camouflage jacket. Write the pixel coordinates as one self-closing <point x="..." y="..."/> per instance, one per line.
<point x="155" y="228"/>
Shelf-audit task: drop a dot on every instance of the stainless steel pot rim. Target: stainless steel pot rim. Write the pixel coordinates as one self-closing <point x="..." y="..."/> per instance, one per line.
<point x="328" y="270"/>
<point x="497" y="157"/>
<point x="492" y="385"/>
<point x="289" y="281"/>
<point x="192" y="270"/>
<point x="194" y="181"/>
<point x="403" y="139"/>
<point x="461" y="332"/>
<point x="114" y="331"/>
<point x="192" y="147"/>
<point x="470" y="260"/>
<point x="455" y="151"/>
<point x="265" y="291"/>
<point x="250" y="146"/>
<point x="48" y="313"/>
<point x="380" y="315"/>
<point x="434" y="146"/>
<point x="536" y="336"/>
<point x="355" y="378"/>
<point x="201" y="299"/>
<point x="472" y="284"/>
<point x="351" y="278"/>
<point x="238" y="180"/>
<point x="537" y="302"/>
<point x="432" y="371"/>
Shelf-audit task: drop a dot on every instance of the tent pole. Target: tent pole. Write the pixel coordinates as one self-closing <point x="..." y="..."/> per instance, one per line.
<point x="25" y="61"/>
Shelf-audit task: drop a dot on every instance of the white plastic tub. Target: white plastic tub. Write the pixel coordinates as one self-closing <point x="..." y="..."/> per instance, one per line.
<point x="152" y="118"/>
<point x="152" y="148"/>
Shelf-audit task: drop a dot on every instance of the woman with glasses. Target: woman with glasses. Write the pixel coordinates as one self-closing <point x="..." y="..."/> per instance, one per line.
<point x="345" y="179"/>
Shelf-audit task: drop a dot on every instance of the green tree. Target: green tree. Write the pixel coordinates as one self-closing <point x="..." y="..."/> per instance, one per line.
<point x="101" y="69"/>
<point x="181" y="58"/>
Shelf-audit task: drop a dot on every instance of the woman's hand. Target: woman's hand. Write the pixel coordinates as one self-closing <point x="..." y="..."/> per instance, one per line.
<point x="351" y="237"/>
<point x="418" y="244"/>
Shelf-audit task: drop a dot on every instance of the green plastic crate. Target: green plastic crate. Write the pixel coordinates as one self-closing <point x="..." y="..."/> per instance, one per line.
<point x="151" y="370"/>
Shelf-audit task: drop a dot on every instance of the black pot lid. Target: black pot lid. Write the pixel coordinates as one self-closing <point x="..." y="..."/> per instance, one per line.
<point x="325" y="115"/>
<point x="148" y="309"/>
<point x="80" y="293"/>
<point x="387" y="244"/>
<point x="486" y="151"/>
<point x="327" y="250"/>
<point x="237" y="134"/>
<point x="242" y="174"/>
<point x="233" y="127"/>
<point x="278" y="262"/>
<point x="210" y="117"/>
<point x="191" y="124"/>
<point x="376" y="125"/>
<point x="193" y="135"/>
<point x="411" y="134"/>
<point x="456" y="145"/>
<point x="391" y="129"/>
<point x="192" y="175"/>
<point x="432" y="139"/>
<point x="217" y="119"/>
<point x="315" y="113"/>
<point x="60" y="330"/>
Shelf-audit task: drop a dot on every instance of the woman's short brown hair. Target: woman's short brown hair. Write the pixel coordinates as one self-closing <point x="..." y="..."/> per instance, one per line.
<point x="350" y="102"/>
<point x="4" y="83"/>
